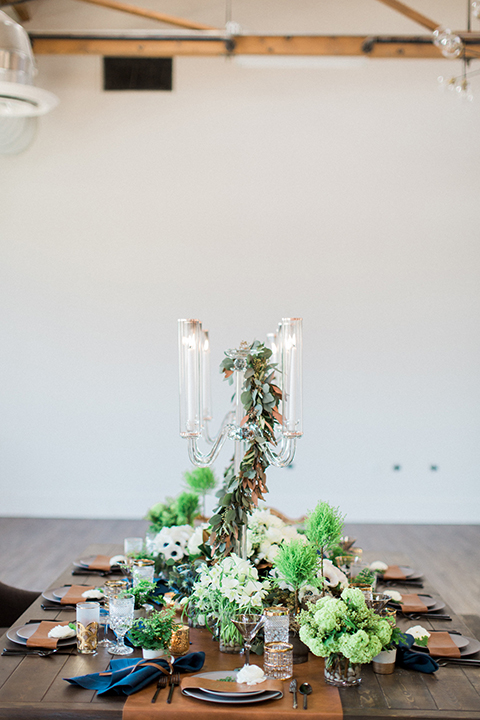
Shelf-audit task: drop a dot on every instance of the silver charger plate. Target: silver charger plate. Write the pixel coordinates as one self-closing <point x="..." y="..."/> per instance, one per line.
<point x="28" y="630"/>
<point x="238" y="699"/>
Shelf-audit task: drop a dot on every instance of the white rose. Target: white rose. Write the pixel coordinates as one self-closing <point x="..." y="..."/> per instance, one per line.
<point x="418" y="632"/>
<point x="251" y="675"/>
<point x="378" y="566"/>
<point x="62" y="631"/>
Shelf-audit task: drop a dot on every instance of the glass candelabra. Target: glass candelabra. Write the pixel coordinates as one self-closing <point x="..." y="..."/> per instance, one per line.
<point x="195" y="402"/>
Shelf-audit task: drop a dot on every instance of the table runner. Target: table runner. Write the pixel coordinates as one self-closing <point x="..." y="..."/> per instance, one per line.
<point x="74" y="594"/>
<point x="323" y="704"/>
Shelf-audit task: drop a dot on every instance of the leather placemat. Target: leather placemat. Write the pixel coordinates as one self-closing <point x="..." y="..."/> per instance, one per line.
<point x="100" y="562"/>
<point x="411" y="603"/>
<point x="74" y="594"/>
<point x="440" y="644"/>
<point x="40" y="636"/>
<point x="393" y="572"/>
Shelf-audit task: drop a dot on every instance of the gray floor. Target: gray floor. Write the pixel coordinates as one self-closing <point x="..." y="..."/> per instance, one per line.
<point x="34" y="551"/>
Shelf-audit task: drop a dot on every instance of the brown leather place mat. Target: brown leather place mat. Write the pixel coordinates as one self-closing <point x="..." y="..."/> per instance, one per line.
<point x="74" y="594"/>
<point x="40" y="636"/>
<point x="411" y="603"/>
<point x="323" y="704"/>
<point x="393" y="572"/>
<point x="440" y="644"/>
<point x="100" y="562"/>
<point x="193" y="681"/>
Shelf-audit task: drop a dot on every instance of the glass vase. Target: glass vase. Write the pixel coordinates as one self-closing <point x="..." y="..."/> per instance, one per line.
<point x="230" y="639"/>
<point x="341" y="672"/>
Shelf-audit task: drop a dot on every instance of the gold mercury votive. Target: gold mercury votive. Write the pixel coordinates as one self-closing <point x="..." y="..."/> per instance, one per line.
<point x="278" y="660"/>
<point x="180" y="642"/>
<point x="113" y="588"/>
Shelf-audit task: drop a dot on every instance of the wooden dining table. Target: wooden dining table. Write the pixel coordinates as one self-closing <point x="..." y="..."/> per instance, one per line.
<point x="34" y="687"/>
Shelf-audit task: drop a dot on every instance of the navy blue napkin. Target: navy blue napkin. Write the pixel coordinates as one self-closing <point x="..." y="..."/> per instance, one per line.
<point x="411" y="660"/>
<point x="126" y="675"/>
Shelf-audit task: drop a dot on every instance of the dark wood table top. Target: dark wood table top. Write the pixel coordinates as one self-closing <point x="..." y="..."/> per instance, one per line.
<point x="33" y="687"/>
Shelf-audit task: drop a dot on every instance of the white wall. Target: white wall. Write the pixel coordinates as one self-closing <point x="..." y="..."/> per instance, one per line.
<point x="346" y="196"/>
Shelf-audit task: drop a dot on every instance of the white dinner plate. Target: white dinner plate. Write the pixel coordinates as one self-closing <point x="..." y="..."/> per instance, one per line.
<point x="27" y="631"/>
<point x="199" y="694"/>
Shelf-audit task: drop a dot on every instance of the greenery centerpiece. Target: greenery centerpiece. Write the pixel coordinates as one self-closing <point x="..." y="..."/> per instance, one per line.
<point x="295" y="566"/>
<point x="241" y="491"/>
<point x="201" y="481"/>
<point x="324" y="527"/>
<point x="223" y="590"/>
<point x="144" y="593"/>
<point x="153" y="633"/>
<point x="346" y="633"/>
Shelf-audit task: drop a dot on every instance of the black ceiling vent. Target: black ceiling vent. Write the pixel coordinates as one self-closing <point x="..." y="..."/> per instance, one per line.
<point x="132" y="73"/>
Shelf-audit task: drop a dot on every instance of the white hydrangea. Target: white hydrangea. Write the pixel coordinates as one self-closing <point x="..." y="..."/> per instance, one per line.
<point x="264" y="535"/>
<point x="171" y="542"/>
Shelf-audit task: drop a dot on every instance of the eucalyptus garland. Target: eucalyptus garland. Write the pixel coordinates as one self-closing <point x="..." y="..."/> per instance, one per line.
<point x="240" y="493"/>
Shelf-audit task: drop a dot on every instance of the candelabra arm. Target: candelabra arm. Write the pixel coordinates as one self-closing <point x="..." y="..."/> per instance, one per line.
<point x="205" y="459"/>
<point x="285" y="454"/>
<point x="206" y="432"/>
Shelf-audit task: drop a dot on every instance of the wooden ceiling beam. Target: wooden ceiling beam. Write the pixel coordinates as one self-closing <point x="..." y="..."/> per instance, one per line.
<point x="151" y="14"/>
<point x="204" y="46"/>
<point x="411" y="13"/>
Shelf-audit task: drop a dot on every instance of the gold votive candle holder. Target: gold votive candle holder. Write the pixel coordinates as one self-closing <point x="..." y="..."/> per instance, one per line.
<point x="88" y="620"/>
<point x="180" y="642"/>
<point x="278" y="660"/>
<point x="113" y="588"/>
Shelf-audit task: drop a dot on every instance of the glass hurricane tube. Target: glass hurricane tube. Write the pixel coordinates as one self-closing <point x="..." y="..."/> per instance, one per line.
<point x="248" y="626"/>
<point x="190" y="348"/>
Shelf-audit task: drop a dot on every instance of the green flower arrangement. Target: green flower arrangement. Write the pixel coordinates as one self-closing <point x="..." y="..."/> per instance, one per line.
<point x="153" y="632"/>
<point x="144" y="592"/>
<point x="181" y="510"/>
<point x="344" y="626"/>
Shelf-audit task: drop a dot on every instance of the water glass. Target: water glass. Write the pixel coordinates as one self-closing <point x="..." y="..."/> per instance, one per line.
<point x="142" y="570"/>
<point x="88" y="619"/>
<point x="278" y="660"/>
<point x="277" y="624"/>
<point x="121" y="620"/>
<point x="132" y="546"/>
<point x="150" y="542"/>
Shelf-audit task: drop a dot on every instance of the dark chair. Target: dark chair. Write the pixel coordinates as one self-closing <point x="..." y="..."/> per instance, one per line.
<point x="14" y="602"/>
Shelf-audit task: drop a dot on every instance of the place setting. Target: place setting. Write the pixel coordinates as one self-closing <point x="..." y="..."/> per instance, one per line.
<point x="102" y="565"/>
<point x="67" y="597"/>
<point x="42" y="638"/>
<point x="450" y="647"/>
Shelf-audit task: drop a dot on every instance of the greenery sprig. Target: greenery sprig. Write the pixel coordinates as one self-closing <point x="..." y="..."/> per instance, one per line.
<point x="240" y="493"/>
